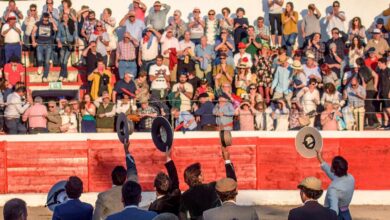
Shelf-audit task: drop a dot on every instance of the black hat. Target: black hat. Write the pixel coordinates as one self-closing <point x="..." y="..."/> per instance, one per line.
<point x="204" y="95"/>
<point x="380" y="21"/>
<point x="124" y="128"/>
<point x="57" y="195"/>
<point x="226" y="138"/>
<point x="162" y="134"/>
<point x="225" y="96"/>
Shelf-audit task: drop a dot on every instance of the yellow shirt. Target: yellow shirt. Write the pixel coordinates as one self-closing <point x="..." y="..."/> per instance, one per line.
<point x="290" y="26"/>
<point x="95" y="78"/>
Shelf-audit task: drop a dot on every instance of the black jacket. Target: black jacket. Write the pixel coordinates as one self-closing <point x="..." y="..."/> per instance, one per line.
<point x="170" y="202"/>
<point x="202" y="197"/>
<point x="312" y="210"/>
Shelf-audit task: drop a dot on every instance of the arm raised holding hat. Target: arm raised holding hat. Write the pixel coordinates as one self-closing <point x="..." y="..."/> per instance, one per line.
<point x="132" y="173"/>
<point x="230" y="172"/>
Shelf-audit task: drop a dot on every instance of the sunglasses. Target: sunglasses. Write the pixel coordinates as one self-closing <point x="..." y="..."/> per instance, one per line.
<point x="336" y="6"/>
<point x="335" y="33"/>
<point x="252" y="88"/>
<point x="313" y="84"/>
<point x="223" y="58"/>
<point x="211" y="14"/>
<point x="51" y="106"/>
<point x="354" y="85"/>
<point x="196" y="11"/>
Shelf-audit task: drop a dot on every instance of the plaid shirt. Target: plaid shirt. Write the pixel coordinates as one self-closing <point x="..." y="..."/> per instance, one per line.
<point x="318" y="53"/>
<point x="126" y="51"/>
<point x="146" y="122"/>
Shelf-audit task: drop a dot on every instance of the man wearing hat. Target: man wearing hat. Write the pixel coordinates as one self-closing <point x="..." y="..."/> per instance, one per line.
<point x="125" y="59"/>
<point x="280" y="87"/>
<point x="157" y="17"/>
<point x="12" y="40"/>
<point x="227" y="192"/>
<point x="147" y="114"/>
<point x="377" y="42"/>
<point x="125" y="86"/>
<point x="105" y="113"/>
<point x="242" y="55"/>
<point x="132" y="25"/>
<point x="310" y="192"/>
<point x="204" y="113"/>
<point x="224" y="111"/>
<point x="334" y="60"/>
<point x="311" y="69"/>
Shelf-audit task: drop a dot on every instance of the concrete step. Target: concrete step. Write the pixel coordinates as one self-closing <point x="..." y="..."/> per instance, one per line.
<point x="53" y="75"/>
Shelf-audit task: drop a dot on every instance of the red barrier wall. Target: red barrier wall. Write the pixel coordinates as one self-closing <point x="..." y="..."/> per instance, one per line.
<point x="260" y="163"/>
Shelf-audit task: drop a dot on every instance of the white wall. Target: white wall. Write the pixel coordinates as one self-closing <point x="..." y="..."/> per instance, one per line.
<point x="368" y="10"/>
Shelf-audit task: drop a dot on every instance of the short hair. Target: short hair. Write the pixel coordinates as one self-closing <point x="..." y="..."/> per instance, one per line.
<point x="360" y="62"/>
<point x="21" y="89"/>
<point x="382" y="60"/>
<point x="335" y="29"/>
<point x="159" y="57"/>
<point x="91" y="12"/>
<point x="240" y="9"/>
<point x="118" y="175"/>
<point x="226" y="196"/>
<point x="11" y="1"/>
<point x="38" y="99"/>
<point x="311" y="193"/>
<point x="340" y="166"/>
<point x="191" y="174"/>
<point x="260" y="18"/>
<point x="74" y="187"/>
<point x="226" y="8"/>
<point x="330" y="87"/>
<point x="166" y="216"/>
<point x="108" y="10"/>
<point x="251" y="26"/>
<point x="336" y="2"/>
<point x="33" y="6"/>
<point x="178" y="12"/>
<point x="312" y="80"/>
<point x="15" y="209"/>
<point x="163" y="183"/>
<point x="46" y="15"/>
<point x="131" y="193"/>
<point x="69" y="2"/>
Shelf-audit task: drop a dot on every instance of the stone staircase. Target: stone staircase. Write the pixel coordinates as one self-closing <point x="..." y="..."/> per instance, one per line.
<point x="54" y="73"/>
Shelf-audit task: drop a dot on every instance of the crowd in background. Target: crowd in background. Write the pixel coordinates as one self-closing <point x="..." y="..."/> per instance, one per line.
<point x="214" y="71"/>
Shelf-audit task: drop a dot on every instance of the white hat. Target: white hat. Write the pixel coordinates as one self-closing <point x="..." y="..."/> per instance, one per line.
<point x="376" y="31"/>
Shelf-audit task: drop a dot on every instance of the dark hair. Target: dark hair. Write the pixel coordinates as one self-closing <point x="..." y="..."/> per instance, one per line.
<point x="240" y="9"/>
<point x="69" y="2"/>
<point x="131" y="193"/>
<point x="291" y="5"/>
<point x="91" y="12"/>
<point x="21" y="89"/>
<point x="360" y="62"/>
<point x="311" y="193"/>
<point x="335" y="29"/>
<point x="159" y="57"/>
<point x="162" y="182"/>
<point x="33" y="6"/>
<point x="226" y="8"/>
<point x="260" y="18"/>
<point x="74" y="187"/>
<point x="108" y="10"/>
<point x="191" y="174"/>
<point x="15" y="209"/>
<point x="359" y="44"/>
<point x="118" y="175"/>
<point x="382" y="60"/>
<point x="70" y="24"/>
<point x="45" y="15"/>
<point x="330" y="87"/>
<point x="251" y="26"/>
<point x="336" y="2"/>
<point x="3" y="84"/>
<point x="359" y="25"/>
<point x="225" y="196"/>
<point x="340" y="166"/>
<point x="11" y="1"/>
<point x="312" y="80"/>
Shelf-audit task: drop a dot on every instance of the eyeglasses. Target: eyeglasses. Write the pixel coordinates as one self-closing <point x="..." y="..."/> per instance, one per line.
<point x="335" y="32"/>
<point x="99" y="26"/>
<point x="336" y="6"/>
<point x="252" y="88"/>
<point x="196" y="11"/>
<point x="211" y="14"/>
<point x="50" y="106"/>
<point x="313" y="84"/>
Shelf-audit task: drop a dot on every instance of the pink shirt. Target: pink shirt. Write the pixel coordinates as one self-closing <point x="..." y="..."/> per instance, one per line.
<point x="327" y="123"/>
<point x="247" y="120"/>
<point x="139" y="14"/>
<point x="36" y="116"/>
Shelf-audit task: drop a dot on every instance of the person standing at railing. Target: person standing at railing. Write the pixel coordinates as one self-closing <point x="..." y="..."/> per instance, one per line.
<point x="14" y="71"/>
<point x="16" y="106"/>
<point x="12" y="32"/>
<point x="36" y="115"/>
<point x="384" y="90"/>
<point x="224" y="111"/>
<point x="28" y="25"/>
<point x="88" y="112"/>
<point x="309" y="99"/>
<point x="54" y="120"/>
<point x="42" y="34"/>
<point x="105" y="113"/>
<point x="356" y="95"/>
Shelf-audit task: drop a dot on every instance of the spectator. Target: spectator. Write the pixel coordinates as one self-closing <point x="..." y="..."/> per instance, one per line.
<point x="309" y="99"/>
<point x="211" y="28"/>
<point x="225" y="45"/>
<point x="253" y="96"/>
<point x="196" y="83"/>
<point x="66" y="41"/>
<point x="377" y="42"/>
<point x="242" y="55"/>
<point x="226" y="189"/>
<point x="148" y="49"/>
<point x="294" y="115"/>
<point x="125" y="105"/>
<point x="226" y="22"/>
<point x="15" y="209"/>
<point x="203" y="87"/>
<point x="101" y="80"/>
<point x="281" y="115"/>
<point x="311" y="69"/>
<point x="339" y="46"/>
<point x="356" y="95"/>
<point x="69" y="120"/>
<point x="340" y="191"/>
<point x="315" y="47"/>
<point x="109" y="23"/>
<point x="200" y="196"/>
<point x="334" y="61"/>
<point x="371" y="59"/>
<point x="73" y="208"/>
<point x="82" y="17"/>
<point x="356" y="50"/>
<point x="223" y="73"/>
<point x="184" y="120"/>
<point x="184" y="91"/>
<point x="62" y="103"/>
<point x="142" y="87"/>
<point x="384" y="88"/>
<point x="88" y="112"/>
<point x="329" y="117"/>
<point x="91" y="57"/>
<point x="263" y="70"/>
<point x="331" y="95"/>
<point x="14" y="71"/>
<point x="240" y="26"/>
<point x="125" y="86"/>
<point x="132" y="25"/>
<point x="204" y="113"/>
<point x="335" y="19"/>
<point x="196" y="26"/>
<point x="169" y="49"/>
<point x="311" y="23"/>
<point x="126" y="56"/>
<point x="186" y="54"/>
<point x="12" y="11"/>
<point x="179" y="27"/>
<point x="66" y="8"/>
<point x="158" y="17"/>
<point x="310" y="192"/>
<point x="89" y="26"/>
<point x="275" y="20"/>
<point x="105" y="113"/>
<point x="27" y="27"/>
<point x="53" y="12"/>
<point x="100" y="36"/>
<point x="380" y="24"/>
<point x="243" y="78"/>
<point x="131" y="197"/>
<point x="298" y="77"/>
<point x="224" y="112"/>
<point x="109" y="202"/>
<point x="348" y="76"/>
<point x="139" y="9"/>
<point x="252" y="42"/>
<point x="36" y="115"/>
<point x="12" y="32"/>
<point x="159" y="78"/>
<point x="262" y="31"/>
<point x="357" y="30"/>
<point x="42" y="35"/>
<point x="54" y="120"/>
<point x="281" y="83"/>
<point x="204" y="54"/>
<point x="246" y="114"/>
<point x="147" y="114"/>
<point x="260" y="116"/>
<point x="290" y="27"/>
<point x="16" y="106"/>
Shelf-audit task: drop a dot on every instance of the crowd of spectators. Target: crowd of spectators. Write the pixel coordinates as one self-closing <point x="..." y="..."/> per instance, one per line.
<point x="214" y="71"/>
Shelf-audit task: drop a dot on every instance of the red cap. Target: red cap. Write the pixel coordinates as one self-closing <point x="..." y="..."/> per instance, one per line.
<point x="241" y="45"/>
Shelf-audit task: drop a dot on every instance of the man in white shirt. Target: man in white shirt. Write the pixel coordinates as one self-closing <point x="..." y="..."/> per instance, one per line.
<point x="241" y="54"/>
<point x="148" y="48"/>
<point x="335" y="19"/>
<point x="185" y="91"/>
<point x="169" y="50"/>
<point x="186" y="54"/>
<point x="11" y="32"/>
<point x="159" y="78"/>
<point x="15" y="108"/>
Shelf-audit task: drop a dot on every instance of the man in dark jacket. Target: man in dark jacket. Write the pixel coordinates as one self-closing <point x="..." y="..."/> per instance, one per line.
<point x="201" y="197"/>
<point x="311" y="210"/>
<point x="204" y="113"/>
<point x="167" y="189"/>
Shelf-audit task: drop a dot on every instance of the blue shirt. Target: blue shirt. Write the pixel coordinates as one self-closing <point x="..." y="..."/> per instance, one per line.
<point x="225" y="121"/>
<point x="340" y="190"/>
<point x="64" y="35"/>
<point x="205" y="111"/>
<point x="353" y="100"/>
<point x="186" y="117"/>
<point x="281" y="82"/>
<point x="201" y="52"/>
<point x="135" y="29"/>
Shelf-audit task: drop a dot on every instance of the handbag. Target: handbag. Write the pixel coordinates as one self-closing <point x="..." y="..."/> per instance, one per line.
<point x="304" y="120"/>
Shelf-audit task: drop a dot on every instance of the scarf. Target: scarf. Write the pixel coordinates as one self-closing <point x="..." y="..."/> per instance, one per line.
<point x="172" y="58"/>
<point x="148" y="40"/>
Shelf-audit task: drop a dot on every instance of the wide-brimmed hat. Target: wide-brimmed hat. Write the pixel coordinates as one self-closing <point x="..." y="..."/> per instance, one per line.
<point x="308" y="141"/>
<point x="57" y="195"/>
<point x="162" y="134"/>
<point x="311" y="182"/>
<point x="124" y="128"/>
<point x="310" y="55"/>
<point x="297" y="65"/>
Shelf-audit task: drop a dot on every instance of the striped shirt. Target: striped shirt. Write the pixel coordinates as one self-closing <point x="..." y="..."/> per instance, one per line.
<point x="126" y="51"/>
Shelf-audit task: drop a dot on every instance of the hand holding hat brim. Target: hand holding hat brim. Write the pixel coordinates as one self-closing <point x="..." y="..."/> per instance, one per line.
<point x="162" y="134"/>
<point x="308" y="142"/>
